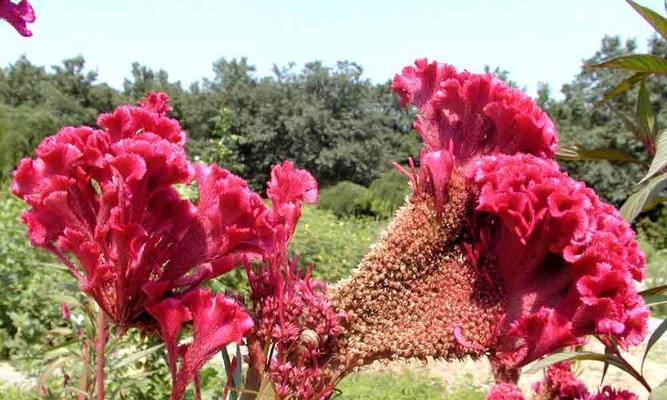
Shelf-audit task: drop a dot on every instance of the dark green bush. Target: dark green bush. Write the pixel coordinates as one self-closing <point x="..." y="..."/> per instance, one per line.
<point x="386" y="194"/>
<point x="344" y="199"/>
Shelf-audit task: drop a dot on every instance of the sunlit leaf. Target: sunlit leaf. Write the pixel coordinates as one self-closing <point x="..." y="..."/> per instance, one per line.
<point x="50" y="369"/>
<point x="574" y="153"/>
<point x="622" y="87"/>
<point x="60" y="331"/>
<point x="655" y="300"/>
<point x="564" y="356"/>
<point x="635" y="203"/>
<point x="657" y="334"/>
<point x="653" y="291"/>
<point x="659" y="161"/>
<point x="657" y="21"/>
<point x="55" y="353"/>
<point x="63" y="298"/>
<point x="134" y="357"/>
<point x="645" y="63"/>
<point x="659" y="392"/>
<point x="611" y="359"/>
<point x="654" y="202"/>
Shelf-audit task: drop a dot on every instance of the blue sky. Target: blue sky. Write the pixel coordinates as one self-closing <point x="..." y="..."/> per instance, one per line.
<point x="536" y="41"/>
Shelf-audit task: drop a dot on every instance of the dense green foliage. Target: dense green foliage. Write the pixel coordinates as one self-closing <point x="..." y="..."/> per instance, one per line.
<point x="390" y="386"/>
<point x="386" y="194"/>
<point x="332" y="246"/>
<point x="28" y="276"/>
<point x="405" y="385"/>
<point x="344" y="199"/>
<point x="332" y="121"/>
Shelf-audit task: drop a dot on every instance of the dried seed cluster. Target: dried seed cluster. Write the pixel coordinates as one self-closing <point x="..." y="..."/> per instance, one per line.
<point x="416" y="294"/>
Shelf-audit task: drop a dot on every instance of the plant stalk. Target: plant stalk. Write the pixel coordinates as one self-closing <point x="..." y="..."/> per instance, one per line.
<point x="85" y="362"/>
<point x="101" y="340"/>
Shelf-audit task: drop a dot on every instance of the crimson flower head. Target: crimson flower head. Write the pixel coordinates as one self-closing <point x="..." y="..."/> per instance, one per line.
<point x="497" y="252"/>
<point x="609" y="393"/>
<point x="560" y="383"/>
<point x="505" y="391"/>
<point x="107" y="197"/>
<point x="19" y="15"/>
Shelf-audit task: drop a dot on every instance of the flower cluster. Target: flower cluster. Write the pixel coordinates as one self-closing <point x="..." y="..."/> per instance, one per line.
<point x="107" y="197"/>
<point x="19" y="15"/>
<point x="293" y="313"/>
<point x="497" y="252"/>
<point x="559" y="383"/>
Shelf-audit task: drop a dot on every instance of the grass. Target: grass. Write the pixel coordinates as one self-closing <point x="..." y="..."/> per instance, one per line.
<point x="405" y="385"/>
<point x="334" y="246"/>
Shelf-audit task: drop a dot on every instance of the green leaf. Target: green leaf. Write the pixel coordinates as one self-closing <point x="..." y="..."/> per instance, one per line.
<point x="574" y="153"/>
<point x="59" y="352"/>
<point x="657" y="334"/>
<point x="659" y="161"/>
<point x="655" y="300"/>
<point x="622" y="87"/>
<point x="50" y="369"/>
<point x="630" y="125"/>
<point x="660" y="392"/>
<point x="611" y="359"/>
<point x="635" y="203"/>
<point x="646" y="63"/>
<point x="60" y="331"/>
<point x="653" y="203"/>
<point x="657" y="21"/>
<point x="63" y="298"/>
<point x="645" y="118"/>
<point x="564" y="356"/>
<point x="653" y="291"/>
<point x="134" y="357"/>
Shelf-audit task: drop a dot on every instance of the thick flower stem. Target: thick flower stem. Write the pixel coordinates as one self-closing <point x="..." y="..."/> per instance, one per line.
<point x="252" y="384"/>
<point x="101" y="340"/>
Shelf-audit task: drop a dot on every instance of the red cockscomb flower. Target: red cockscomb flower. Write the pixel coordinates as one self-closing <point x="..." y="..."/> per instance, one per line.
<point x="292" y="310"/>
<point x="19" y="15"/>
<point x="497" y="252"/>
<point x="560" y="383"/>
<point x="608" y="393"/>
<point x="217" y="321"/>
<point x="107" y="196"/>
<point x="505" y="391"/>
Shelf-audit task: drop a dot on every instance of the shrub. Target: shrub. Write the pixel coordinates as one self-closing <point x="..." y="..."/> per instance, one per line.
<point x="344" y="199"/>
<point x="386" y="194"/>
<point x="334" y="246"/>
<point x="30" y="277"/>
<point x="389" y="386"/>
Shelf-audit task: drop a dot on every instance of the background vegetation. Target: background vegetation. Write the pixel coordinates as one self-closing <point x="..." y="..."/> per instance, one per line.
<point x="331" y="120"/>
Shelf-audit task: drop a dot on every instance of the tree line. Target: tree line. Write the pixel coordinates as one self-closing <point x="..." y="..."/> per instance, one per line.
<point x="330" y="120"/>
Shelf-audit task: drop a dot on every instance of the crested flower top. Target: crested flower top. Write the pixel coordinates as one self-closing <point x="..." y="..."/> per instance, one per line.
<point x="478" y="113"/>
<point x="108" y="197"/>
<point x="497" y="252"/>
<point x="19" y="15"/>
<point x="565" y="259"/>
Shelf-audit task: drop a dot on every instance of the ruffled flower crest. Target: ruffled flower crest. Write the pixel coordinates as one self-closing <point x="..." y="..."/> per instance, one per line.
<point x="216" y="322"/>
<point x="19" y="15"/>
<point x="292" y="310"/>
<point x="536" y="260"/>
